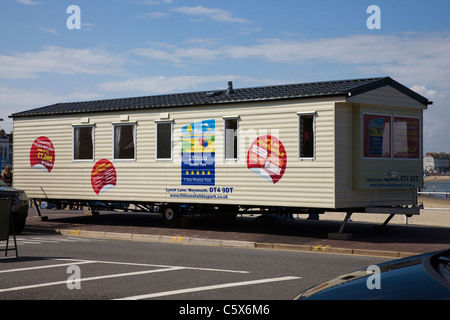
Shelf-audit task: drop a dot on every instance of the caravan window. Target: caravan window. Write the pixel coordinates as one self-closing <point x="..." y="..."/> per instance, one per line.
<point x="231" y="139"/>
<point x="406" y="137"/>
<point x="125" y="141"/>
<point x="391" y="137"/>
<point x="83" y="143"/>
<point x="164" y="140"/>
<point x="306" y="136"/>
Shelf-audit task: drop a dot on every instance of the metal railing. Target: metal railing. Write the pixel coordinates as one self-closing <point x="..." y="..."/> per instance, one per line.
<point x="447" y="194"/>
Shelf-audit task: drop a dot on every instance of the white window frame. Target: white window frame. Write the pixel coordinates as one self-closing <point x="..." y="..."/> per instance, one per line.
<point x="122" y="124"/>
<point x="391" y="137"/>
<point x="158" y="122"/>
<point x="74" y="127"/>
<point x="314" y="116"/>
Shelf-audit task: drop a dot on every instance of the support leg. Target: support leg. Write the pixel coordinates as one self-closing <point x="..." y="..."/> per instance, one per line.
<point x="388" y="219"/>
<point x="344" y="223"/>
<point x="36" y="207"/>
<point x="384" y="227"/>
<point x="38" y="210"/>
<point x="340" y="235"/>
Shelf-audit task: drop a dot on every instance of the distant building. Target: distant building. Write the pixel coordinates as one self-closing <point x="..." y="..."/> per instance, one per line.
<point x="436" y="162"/>
<point x="5" y="149"/>
<point x="428" y="164"/>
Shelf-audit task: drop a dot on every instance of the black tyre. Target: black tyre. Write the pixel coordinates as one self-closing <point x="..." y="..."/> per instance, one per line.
<point x="171" y="215"/>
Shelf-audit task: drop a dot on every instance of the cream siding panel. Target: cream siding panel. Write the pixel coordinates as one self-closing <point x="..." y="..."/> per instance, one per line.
<point x="306" y="183"/>
<point x="386" y="96"/>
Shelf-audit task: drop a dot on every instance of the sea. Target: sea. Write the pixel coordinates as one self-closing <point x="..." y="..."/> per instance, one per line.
<point x="439" y="186"/>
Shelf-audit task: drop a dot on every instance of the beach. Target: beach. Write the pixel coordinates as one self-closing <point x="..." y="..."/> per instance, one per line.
<point x="436" y="179"/>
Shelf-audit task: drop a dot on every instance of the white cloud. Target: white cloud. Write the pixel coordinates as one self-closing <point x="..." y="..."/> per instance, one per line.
<point x="160" y="85"/>
<point x="86" y="26"/>
<point x="422" y="90"/>
<point x="28" y="2"/>
<point x="435" y="126"/>
<point x="435" y="119"/>
<point x="163" y="85"/>
<point x="14" y="100"/>
<point x="177" y="55"/>
<point x="59" y="60"/>
<point x="420" y="58"/>
<point x="152" y="2"/>
<point x="50" y="30"/>
<point x="154" y="15"/>
<point x="218" y="15"/>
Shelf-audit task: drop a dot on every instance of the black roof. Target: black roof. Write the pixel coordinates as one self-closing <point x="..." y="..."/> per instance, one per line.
<point x="278" y="92"/>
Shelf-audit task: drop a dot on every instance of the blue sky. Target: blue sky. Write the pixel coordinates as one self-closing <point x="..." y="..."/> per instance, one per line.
<point x="128" y="48"/>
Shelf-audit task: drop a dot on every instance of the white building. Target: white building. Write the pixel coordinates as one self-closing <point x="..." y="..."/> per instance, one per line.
<point x="428" y="164"/>
<point x="436" y="162"/>
<point x="5" y="149"/>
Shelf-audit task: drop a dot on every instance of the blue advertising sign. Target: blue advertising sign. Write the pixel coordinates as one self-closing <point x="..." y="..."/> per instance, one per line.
<point x="376" y="133"/>
<point x="198" y="153"/>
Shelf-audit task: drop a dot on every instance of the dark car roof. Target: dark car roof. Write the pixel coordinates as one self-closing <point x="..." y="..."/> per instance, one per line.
<point x="412" y="278"/>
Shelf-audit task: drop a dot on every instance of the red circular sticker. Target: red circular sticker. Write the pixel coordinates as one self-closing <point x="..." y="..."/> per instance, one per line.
<point x="42" y="154"/>
<point x="267" y="158"/>
<point x="103" y="176"/>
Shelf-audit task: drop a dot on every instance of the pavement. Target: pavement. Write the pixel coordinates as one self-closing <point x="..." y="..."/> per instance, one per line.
<point x="430" y="231"/>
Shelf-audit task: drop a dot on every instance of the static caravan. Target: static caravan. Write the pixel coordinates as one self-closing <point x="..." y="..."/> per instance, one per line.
<point x="353" y="145"/>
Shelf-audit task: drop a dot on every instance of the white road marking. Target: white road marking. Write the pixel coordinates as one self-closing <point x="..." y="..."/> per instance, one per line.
<point x="20" y="242"/>
<point x="78" y="239"/>
<point x="159" y="266"/>
<point x="212" y="287"/>
<point x="47" y="284"/>
<point x="45" y="267"/>
<point x="39" y="240"/>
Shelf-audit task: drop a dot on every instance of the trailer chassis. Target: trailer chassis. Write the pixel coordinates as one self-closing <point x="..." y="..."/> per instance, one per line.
<point x="173" y="212"/>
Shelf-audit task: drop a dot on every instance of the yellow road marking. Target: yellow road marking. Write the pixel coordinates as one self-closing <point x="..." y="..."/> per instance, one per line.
<point x="324" y="248"/>
<point x="175" y="239"/>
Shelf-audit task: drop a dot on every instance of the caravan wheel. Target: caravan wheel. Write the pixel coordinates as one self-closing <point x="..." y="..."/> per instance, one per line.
<point x="171" y="215"/>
